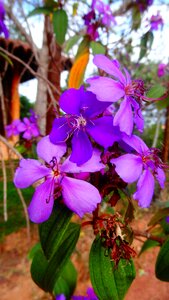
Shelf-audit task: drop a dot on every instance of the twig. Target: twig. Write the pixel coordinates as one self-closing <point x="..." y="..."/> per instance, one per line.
<point x="149" y="236"/>
<point x="4" y="140"/>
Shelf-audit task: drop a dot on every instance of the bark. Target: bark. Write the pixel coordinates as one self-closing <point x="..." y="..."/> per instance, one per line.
<point x="41" y="98"/>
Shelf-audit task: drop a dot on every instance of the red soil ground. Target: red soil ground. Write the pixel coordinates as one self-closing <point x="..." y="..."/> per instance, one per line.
<point x="16" y="282"/>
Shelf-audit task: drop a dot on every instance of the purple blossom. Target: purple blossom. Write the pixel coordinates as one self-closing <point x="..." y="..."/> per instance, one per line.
<point x="78" y="195"/>
<point x="60" y="297"/>
<point x="110" y="90"/>
<point x="143" y="5"/>
<point x="3" y="28"/>
<point x="14" y="128"/>
<point x="81" y="120"/>
<point x="33" y="116"/>
<point x="105" y="13"/>
<point x="90" y="296"/>
<point x="30" y="129"/>
<point x="144" y="166"/>
<point x="161" y="70"/>
<point x="156" y="21"/>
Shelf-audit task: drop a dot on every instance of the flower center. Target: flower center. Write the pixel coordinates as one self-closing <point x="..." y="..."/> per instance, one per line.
<point x="135" y="89"/>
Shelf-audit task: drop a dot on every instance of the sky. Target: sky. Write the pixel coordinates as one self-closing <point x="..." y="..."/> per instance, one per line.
<point x="159" y="52"/>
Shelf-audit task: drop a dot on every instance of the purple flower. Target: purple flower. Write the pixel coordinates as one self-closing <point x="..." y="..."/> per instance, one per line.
<point x="79" y="196"/>
<point x="14" y="128"/>
<point x="156" y="21"/>
<point x="30" y="129"/>
<point x="60" y="297"/>
<point x="110" y="90"/>
<point x="82" y="109"/>
<point x="3" y="28"/>
<point x="143" y="5"/>
<point x="161" y="70"/>
<point x="33" y="116"/>
<point x="90" y="296"/>
<point x="142" y="166"/>
<point x="105" y="13"/>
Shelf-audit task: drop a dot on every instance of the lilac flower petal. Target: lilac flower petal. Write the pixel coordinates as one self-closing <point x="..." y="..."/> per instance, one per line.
<point x="103" y="131"/>
<point x="46" y="150"/>
<point x="160" y="176"/>
<point x="26" y="121"/>
<point x="145" y="189"/>
<point x="124" y="117"/>
<point x="90" y="106"/>
<point x="138" y="117"/>
<point x="42" y="202"/>
<point x="135" y="142"/>
<point x="107" y="65"/>
<point x="70" y="101"/>
<point x="128" y="167"/>
<point x="80" y="196"/>
<point x="105" y="89"/>
<point x="35" y="130"/>
<point x="21" y="127"/>
<point x="60" y="297"/>
<point x="60" y="130"/>
<point x="27" y="135"/>
<point x="28" y="172"/>
<point x="81" y="148"/>
<point x="92" y="165"/>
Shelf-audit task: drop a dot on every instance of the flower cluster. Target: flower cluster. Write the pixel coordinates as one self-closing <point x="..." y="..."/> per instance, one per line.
<point x="3" y="28"/>
<point x="99" y="16"/>
<point x="28" y="127"/>
<point x="156" y="21"/>
<point x="90" y="296"/>
<point x="64" y="175"/>
<point x="162" y="69"/>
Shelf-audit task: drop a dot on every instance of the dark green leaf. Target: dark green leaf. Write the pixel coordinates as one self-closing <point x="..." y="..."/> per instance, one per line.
<point x="61" y="256"/>
<point x="60" y="24"/>
<point x="51" y="232"/>
<point x="33" y="250"/>
<point x="162" y="263"/>
<point x="97" y="48"/>
<point x="40" y="10"/>
<point x="164" y="212"/>
<point x="109" y="282"/>
<point x="71" y="42"/>
<point x="38" y="269"/>
<point x="147" y="245"/>
<point x="66" y="283"/>
<point x="146" y="43"/>
<point x="136" y="18"/>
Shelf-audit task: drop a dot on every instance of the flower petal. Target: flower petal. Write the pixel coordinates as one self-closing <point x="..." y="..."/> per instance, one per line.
<point x="128" y="167"/>
<point x="70" y="101"/>
<point x="135" y="142"/>
<point x="80" y="196"/>
<point x="103" y="131"/>
<point x="105" y="89"/>
<point x="28" y="172"/>
<point x="92" y="165"/>
<point x="145" y="189"/>
<point x="46" y="150"/>
<point x="81" y="148"/>
<point x="60" y="130"/>
<point x="104" y="63"/>
<point x="138" y="117"/>
<point x="124" y="117"/>
<point x="160" y="176"/>
<point x="42" y="202"/>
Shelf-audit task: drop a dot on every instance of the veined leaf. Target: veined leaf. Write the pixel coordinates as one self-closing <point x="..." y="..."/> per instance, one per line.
<point x="60" y="24"/>
<point x="162" y="263"/>
<point x="97" y="48"/>
<point x="83" y="47"/>
<point x="156" y="91"/>
<point x="146" y="43"/>
<point x="71" y="42"/>
<point x="148" y="244"/>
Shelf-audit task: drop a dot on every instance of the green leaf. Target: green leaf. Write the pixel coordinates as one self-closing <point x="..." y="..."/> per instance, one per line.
<point x="60" y="24"/>
<point x="164" y="212"/>
<point x="46" y="10"/>
<point x="33" y="250"/>
<point x="61" y="256"/>
<point x="71" y="42"/>
<point x="6" y="58"/>
<point x="109" y="282"/>
<point x="156" y="91"/>
<point x="162" y="263"/>
<point x="52" y="231"/>
<point x="146" y="43"/>
<point x="136" y="18"/>
<point x="97" y="48"/>
<point x="66" y="283"/>
<point x="147" y="245"/>
<point x="38" y="269"/>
